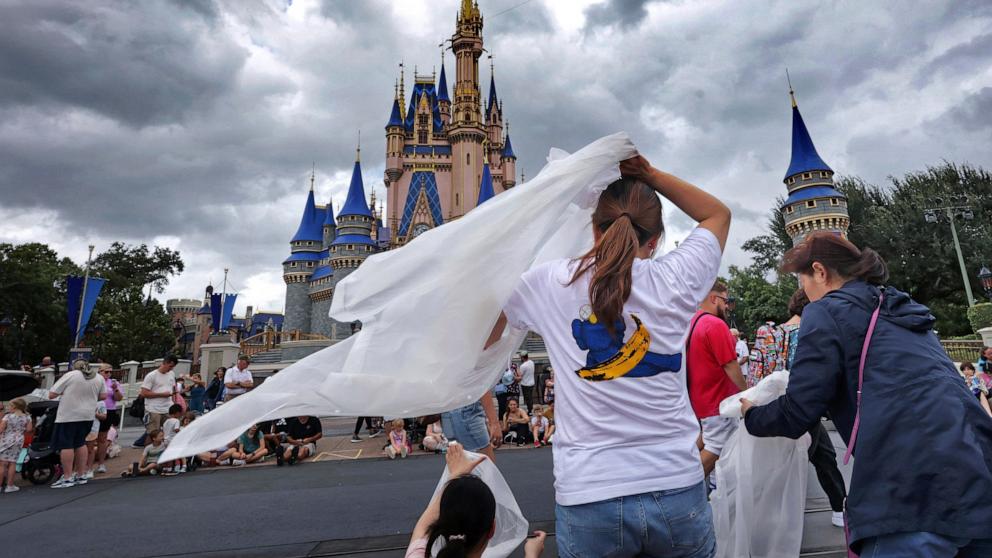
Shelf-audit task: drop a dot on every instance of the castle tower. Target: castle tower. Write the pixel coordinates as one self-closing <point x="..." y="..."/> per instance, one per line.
<point x="305" y="254"/>
<point x="467" y="131"/>
<point x="353" y="242"/>
<point x="509" y="162"/>
<point x="485" y="186"/>
<point x="436" y="148"/>
<point x="813" y="203"/>
<point x="321" y="281"/>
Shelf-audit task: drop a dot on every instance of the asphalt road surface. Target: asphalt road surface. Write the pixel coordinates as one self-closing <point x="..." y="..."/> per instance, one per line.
<point x="343" y="508"/>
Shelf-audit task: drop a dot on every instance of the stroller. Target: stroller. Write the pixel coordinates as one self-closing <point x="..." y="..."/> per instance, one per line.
<point x="43" y="462"/>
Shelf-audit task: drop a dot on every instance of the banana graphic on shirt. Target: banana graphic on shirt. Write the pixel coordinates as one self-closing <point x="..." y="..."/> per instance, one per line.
<point x="625" y="360"/>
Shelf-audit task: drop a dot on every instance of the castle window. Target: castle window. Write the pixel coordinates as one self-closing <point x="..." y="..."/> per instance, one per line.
<point x="309" y="264"/>
<point x="824" y="175"/>
<point x="807" y="175"/>
<point x="792" y="180"/>
<point x="456" y="199"/>
<point x="834" y="201"/>
<point x="790" y="209"/>
<point x="468" y="158"/>
<point x="810" y="203"/>
<point x="292" y="264"/>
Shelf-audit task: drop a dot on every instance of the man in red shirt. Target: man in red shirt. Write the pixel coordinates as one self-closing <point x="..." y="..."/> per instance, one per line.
<point x="712" y="373"/>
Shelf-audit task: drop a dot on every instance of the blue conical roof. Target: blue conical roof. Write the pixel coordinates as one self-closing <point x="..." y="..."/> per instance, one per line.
<point x="356" y="204"/>
<point x="442" y="86"/>
<point x="486" y="186"/>
<point x="804" y="155"/>
<point x="492" y="94"/>
<point x="394" y="117"/>
<point x="508" y="149"/>
<point x="329" y="215"/>
<point x="310" y="225"/>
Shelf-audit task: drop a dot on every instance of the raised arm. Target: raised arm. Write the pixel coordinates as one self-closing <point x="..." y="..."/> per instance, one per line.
<point x="704" y="208"/>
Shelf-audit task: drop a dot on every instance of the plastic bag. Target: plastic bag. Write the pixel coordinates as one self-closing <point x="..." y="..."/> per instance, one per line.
<point x="427" y="308"/>
<point x="511" y="526"/>
<point x="760" y="497"/>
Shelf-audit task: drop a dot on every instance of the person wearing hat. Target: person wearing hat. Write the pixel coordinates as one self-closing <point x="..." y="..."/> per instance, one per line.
<point x="527" y="382"/>
<point x="78" y="391"/>
<point x="238" y="379"/>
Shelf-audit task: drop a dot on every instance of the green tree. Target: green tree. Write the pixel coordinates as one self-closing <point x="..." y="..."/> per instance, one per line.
<point x="134" y="325"/>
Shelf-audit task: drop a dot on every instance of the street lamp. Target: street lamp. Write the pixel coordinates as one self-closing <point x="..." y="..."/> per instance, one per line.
<point x="985" y="276"/>
<point x="732" y="311"/>
<point x="955" y="206"/>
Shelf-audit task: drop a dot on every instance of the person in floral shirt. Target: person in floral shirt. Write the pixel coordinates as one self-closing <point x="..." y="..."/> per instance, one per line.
<point x="765" y="357"/>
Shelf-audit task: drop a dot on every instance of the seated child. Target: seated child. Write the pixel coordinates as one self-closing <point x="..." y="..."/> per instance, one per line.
<point x="149" y="457"/>
<point x="540" y="427"/>
<point x="397" y="441"/>
<point x="435" y="440"/>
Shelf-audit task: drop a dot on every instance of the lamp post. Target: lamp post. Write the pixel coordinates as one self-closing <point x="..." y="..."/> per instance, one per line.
<point x="732" y="312"/>
<point x="985" y="276"/>
<point x="955" y="206"/>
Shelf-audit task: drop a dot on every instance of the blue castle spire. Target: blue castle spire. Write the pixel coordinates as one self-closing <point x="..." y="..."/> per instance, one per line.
<point x="329" y="215"/>
<point x="492" y="93"/>
<point x="442" y="85"/>
<point x="355" y="204"/>
<point x="804" y="155"/>
<point x="486" y="186"/>
<point x="394" y="117"/>
<point x="311" y="225"/>
<point x="508" y="149"/>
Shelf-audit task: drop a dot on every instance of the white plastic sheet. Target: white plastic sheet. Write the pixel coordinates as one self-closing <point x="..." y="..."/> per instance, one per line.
<point x="511" y="526"/>
<point x="427" y="309"/>
<point x="760" y="495"/>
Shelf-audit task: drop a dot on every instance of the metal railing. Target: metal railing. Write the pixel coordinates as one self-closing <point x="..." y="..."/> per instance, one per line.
<point x="962" y="350"/>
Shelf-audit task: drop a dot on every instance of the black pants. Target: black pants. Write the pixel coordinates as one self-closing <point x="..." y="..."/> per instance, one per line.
<point x="502" y="402"/>
<point x="524" y="435"/>
<point x="358" y="424"/>
<point x="528" y="392"/>
<point x="824" y="459"/>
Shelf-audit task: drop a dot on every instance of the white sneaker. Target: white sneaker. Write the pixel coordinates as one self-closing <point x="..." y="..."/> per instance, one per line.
<point x="88" y="475"/>
<point x="101" y="469"/>
<point x="182" y="469"/>
<point x="64" y="483"/>
<point x="237" y="462"/>
<point x="11" y="488"/>
<point x="837" y="519"/>
<point x="81" y="480"/>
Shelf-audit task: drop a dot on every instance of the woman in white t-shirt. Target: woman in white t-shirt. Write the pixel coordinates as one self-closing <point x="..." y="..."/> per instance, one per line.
<point x="628" y="480"/>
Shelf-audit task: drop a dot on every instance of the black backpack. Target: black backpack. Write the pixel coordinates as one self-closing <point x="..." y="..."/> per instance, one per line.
<point x="137" y="409"/>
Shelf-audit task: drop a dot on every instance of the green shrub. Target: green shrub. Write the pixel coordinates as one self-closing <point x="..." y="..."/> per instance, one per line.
<point x="980" y="316"/>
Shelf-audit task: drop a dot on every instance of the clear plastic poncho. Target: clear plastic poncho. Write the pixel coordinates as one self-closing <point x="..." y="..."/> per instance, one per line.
<point x="427" y="308"/>
<point x="760" y="497"/>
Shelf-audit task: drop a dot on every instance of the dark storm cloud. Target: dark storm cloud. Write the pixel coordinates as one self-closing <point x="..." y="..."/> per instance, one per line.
<point x="513" y="18"/>
<point x="116" y="59"/>
<point x="625" y="13"/>
<point x="975" y="113"/>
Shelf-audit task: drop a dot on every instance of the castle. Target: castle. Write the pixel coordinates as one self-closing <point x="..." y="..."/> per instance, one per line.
<point x="813" y="203"/>
<point x="426" y="181"/>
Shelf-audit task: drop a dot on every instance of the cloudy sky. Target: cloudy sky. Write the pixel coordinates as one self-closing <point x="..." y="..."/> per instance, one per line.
<point x="193" y="124"/>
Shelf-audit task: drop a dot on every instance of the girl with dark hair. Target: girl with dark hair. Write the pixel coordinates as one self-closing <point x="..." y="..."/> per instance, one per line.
<point x="628" y="477"/>
<point x="463" y="517"/>
<point x="867" y="354"/>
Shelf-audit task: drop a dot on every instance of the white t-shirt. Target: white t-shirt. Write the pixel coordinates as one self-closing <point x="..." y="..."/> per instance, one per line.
<point x="527" y="373"/>
<point x="635" y="433"/>
<point x="158" y="382"/>
<point x="170" y="428"/>
<point x="235" y="375"/>
<point x="742" y="351"/>
<point x="540" y="422"/>
<point x="78" y="396"/>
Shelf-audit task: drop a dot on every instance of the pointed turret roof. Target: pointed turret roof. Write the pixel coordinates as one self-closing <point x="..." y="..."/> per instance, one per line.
<point x="395" y="119"/>
<point x="329" y="216"/>
<point x="355" y="204"/>
<point x="310" y="225"/>
<point x="492" y="94"/>
<point x="442" y="86"/>
<point x="508" y="149"/>
<point x="804" y="155"/>
<point x="486" y="186"/>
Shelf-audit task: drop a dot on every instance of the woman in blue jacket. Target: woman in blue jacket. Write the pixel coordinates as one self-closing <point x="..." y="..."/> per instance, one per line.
<point x="922" y="480"/>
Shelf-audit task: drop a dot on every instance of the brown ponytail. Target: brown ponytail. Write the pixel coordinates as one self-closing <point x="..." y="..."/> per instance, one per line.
<point x="627" y="216"/>
<point x="839" y="256"/>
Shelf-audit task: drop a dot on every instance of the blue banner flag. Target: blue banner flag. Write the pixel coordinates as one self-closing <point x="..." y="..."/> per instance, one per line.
<point x="225" y="319"/>
<point x="75" y="293"/>
<point x="215" y="312"/>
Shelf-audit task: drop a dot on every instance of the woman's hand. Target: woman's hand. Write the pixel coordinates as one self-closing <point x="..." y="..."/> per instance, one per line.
<point x="535" y="545"/>
<point x="458" y="463"/>
<point x="745" y="405"/>
<point x="635" y="167"/>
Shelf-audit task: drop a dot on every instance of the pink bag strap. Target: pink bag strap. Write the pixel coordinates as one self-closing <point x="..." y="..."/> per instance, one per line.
<point x="861" y="377"/>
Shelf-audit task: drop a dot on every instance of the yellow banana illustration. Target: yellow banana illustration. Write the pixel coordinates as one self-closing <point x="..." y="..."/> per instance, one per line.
<point x="620" y="364"/>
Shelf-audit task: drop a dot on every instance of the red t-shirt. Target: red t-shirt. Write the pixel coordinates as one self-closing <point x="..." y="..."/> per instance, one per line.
<point x="711" y="347"/>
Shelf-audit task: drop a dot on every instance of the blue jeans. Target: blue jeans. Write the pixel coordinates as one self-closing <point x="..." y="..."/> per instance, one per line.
<point x="467" y="426"/>
<point x="921" y="544"/>
<point x="674" y="523"/>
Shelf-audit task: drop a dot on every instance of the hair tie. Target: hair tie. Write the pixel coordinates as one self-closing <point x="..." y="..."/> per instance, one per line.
<point x="628" y="216"/>
<point x="456" y="537"/>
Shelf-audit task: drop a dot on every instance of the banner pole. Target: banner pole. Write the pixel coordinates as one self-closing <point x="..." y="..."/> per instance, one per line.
<point x="82" y="299"/>
<point x="223" y="300"/>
